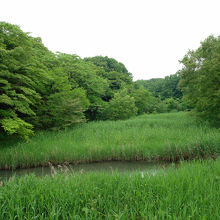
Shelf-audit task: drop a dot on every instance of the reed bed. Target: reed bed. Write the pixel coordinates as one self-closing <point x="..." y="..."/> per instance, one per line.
<point x="169" y="137"/>
<point x="189" y="192"/>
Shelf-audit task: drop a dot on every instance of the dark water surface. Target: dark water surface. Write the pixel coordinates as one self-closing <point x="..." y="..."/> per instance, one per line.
<point x="119" y="166"/>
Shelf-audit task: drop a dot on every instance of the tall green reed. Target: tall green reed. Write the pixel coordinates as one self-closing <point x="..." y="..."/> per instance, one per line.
<point x="188" y="192"/>
<point x="170" y="137"/>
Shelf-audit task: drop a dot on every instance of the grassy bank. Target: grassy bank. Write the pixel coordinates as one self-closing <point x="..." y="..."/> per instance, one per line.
<point x="189" y="192"/>
<point x="168" y="137"/>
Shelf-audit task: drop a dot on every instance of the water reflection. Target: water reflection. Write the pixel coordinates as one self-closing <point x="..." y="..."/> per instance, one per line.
<point x="119" y="166"/>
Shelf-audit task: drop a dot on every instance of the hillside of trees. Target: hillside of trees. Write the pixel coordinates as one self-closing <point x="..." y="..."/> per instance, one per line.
<point x="40" y="89"/>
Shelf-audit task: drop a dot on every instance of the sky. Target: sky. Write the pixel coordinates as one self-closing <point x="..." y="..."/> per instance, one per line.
<point x="148" y="36"/>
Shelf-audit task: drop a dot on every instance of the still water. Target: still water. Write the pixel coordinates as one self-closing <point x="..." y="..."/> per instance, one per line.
<point x="119" y="166"/>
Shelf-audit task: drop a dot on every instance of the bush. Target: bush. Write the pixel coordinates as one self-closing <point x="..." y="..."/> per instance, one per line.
<point x="121" y="106"/>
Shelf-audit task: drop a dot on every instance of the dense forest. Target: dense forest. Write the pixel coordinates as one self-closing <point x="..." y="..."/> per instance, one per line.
<point x="40" y="89"/>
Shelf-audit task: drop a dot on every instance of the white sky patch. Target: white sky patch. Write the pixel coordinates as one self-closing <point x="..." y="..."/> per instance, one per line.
<point x="148" y="36"/>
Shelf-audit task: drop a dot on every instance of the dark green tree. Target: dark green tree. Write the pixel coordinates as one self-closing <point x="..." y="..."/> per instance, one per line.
<point x="112" y="70"/>
<point x="163" y="88"/>
<point x="200" y="79"/>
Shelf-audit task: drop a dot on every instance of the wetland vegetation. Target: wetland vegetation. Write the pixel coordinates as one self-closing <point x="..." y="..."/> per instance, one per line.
<point x="168" y="137"/>
<point x="58" y="110"/>
<point x="189" y="192"/>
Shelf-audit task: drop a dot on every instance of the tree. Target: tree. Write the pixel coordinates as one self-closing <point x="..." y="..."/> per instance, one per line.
<point x="112" y="70"/>
<point x="163" y="88"/>
<point x="144" y="101"/>
<point x="120" y="107"/>
<point x="67" y="108"/>
<point x="62" y="106"/>
<point x="19" y="79"/>
<point x="84" y="75"/>
<point x="36" y="89"/>
<point x="200" y="79"/>
<point x="108" y="64"/>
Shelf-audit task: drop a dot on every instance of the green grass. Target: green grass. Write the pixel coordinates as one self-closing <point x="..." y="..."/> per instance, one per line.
<point x="191" y="191"/>
<point x="169" y="137"/>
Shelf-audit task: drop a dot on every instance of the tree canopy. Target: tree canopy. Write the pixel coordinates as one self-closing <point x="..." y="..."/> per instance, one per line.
<point x="40" y="89"/>
<point x="200" y="79"/>
<point x="162" y="87"/>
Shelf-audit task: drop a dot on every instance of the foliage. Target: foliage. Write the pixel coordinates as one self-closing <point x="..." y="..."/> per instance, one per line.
<point x="84" y="75"/>
<point x="163" y="88"/>
<point x="174" y="104"/>
<point x="43" y="90"/>
<point x="201" y="79"/>
<point x="36" y="87"/>
<point x="19" y="79"/>
<point x="144" y="101"/>
<point x="66" y="108"/>
<point x="121" y="106"/>
<point x="108" y="64"/>
<point x="166" y="93"/>
<point x="17" y="126"/>
<point x="115" y="72"/>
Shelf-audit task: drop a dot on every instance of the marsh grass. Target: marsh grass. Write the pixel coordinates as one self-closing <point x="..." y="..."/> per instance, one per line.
<point x="189" y="192"/>
<point x="169" y="137"/>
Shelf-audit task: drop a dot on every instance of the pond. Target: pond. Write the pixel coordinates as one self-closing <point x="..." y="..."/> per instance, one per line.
<point x="119" y="166"/>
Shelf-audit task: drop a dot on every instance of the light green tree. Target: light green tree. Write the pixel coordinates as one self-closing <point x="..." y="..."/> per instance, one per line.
<point x="121" y="106"/>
